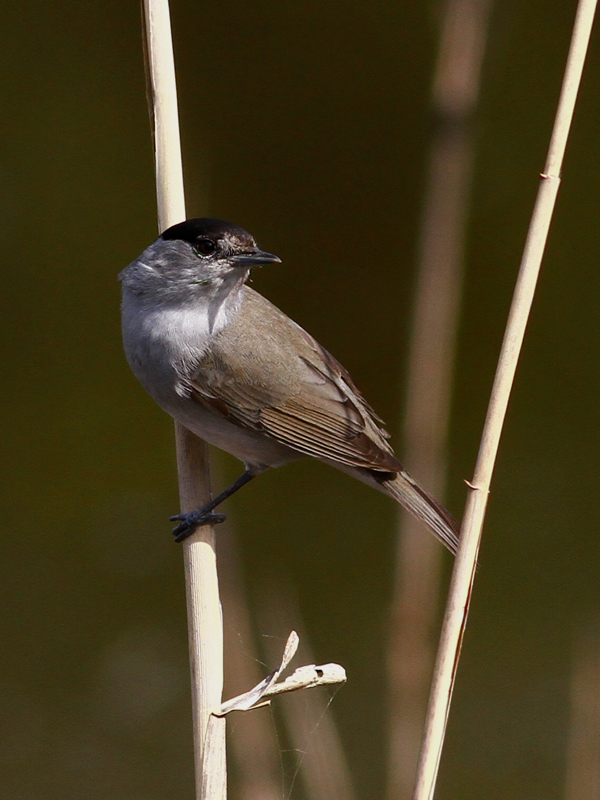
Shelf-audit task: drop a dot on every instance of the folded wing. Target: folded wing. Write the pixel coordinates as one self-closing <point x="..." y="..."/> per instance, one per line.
<point x="275" y="378"/>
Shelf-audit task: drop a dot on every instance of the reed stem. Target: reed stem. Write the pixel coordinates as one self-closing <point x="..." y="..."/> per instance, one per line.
<point x="466" y="559"/>
<point x="205" y="627"/>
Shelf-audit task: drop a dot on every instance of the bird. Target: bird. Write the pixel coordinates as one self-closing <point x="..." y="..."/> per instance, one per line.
<point x="232" y="368"/>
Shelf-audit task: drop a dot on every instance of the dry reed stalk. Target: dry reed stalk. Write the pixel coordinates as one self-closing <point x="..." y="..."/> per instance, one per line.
<point x="583" y="746"/>
<point x="435" y="321"/>
<point x="466" y="559"/>
<point x="202" y="590"/>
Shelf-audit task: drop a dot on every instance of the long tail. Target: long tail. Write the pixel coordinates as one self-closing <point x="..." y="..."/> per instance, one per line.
<point x="408" y="493"/>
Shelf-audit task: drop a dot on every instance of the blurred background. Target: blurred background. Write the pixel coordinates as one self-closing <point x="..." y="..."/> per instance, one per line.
<point x="308" y="124"/>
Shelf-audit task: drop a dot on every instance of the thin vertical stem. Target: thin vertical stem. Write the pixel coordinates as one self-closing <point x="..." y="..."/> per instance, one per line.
<point x="431" y="357"/>
<point x="205" y="627"/>
<point x="466" y="559"/>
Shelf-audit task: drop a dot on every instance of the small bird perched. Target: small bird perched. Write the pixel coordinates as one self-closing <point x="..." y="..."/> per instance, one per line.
<point x="236" y="371"/>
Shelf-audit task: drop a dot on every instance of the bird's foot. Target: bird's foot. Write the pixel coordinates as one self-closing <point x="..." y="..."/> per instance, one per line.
<point x="194" y="519"/>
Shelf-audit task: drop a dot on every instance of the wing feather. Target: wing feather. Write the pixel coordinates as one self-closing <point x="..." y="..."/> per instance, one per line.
<point x="269" y="375"/>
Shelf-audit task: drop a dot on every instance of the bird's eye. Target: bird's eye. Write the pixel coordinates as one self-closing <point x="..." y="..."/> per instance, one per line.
<point x="205" y="247"/>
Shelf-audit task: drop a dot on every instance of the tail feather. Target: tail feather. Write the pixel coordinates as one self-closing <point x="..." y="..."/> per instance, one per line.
<point x="439" y="520"/>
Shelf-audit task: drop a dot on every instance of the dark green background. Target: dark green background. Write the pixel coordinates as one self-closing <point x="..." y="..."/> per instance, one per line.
<point x="307" y="123"/>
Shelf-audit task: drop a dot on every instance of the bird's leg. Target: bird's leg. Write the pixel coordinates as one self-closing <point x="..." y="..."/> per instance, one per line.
<point x="203" y="516"/>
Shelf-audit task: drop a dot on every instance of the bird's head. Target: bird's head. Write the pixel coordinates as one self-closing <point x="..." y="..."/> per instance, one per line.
<point x="196" y="258"/>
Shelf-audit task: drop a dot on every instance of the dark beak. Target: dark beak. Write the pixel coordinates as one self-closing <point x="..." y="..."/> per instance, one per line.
<point x="254" y="258"/>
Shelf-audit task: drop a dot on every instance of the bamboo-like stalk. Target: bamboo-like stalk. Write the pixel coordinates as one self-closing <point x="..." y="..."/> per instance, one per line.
<point x="435" y="321"/>
<point x="202" y="590"/>
<point x="466" y="559"/>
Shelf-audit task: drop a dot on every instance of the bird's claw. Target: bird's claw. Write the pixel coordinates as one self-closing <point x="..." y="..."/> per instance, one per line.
<point x="194" y="519"/>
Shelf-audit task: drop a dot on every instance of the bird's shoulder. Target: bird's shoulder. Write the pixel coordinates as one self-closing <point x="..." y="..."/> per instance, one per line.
<point x="260" y="347"/>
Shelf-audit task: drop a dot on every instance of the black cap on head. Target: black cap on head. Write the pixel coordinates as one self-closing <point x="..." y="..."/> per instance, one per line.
<point x="193" y="229"/>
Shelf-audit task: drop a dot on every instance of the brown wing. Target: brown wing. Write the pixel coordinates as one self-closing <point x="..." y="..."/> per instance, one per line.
<point x="268" y="374"/>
